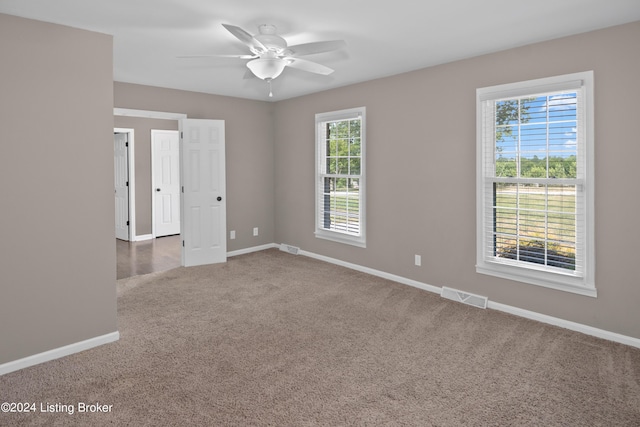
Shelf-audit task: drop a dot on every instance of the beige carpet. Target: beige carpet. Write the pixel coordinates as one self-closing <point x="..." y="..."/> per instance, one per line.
<point x="272" y="339"/>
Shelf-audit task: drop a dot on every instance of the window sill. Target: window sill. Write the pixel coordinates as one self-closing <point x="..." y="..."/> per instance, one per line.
<point x="560" y="282"/>
<point x="341" y="238"/>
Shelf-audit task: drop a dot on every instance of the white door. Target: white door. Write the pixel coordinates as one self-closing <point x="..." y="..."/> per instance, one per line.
<point x="165" y="171"/>
<point x="121" y="180"/>
<point x="204" y="205"/>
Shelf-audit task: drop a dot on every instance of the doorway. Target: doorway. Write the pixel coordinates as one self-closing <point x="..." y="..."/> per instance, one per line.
<point x="202" y="230"/>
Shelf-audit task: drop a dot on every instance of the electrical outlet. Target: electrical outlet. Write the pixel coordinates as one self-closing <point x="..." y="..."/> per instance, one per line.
<point x="418" y="260"/>
<point x="232" y="234"/>
<point x="255" y="231"/>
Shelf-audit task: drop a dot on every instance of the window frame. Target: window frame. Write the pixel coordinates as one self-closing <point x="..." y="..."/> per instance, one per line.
<point x="582" y="283"/>
<point x="321" y="232"/>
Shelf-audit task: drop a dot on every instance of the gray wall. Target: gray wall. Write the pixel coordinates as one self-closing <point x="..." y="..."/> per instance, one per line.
<point x="249" y="152"/>
<point x="142" y="133"/>
<point x="58" y="253"/>
<point x="421" y="173"/>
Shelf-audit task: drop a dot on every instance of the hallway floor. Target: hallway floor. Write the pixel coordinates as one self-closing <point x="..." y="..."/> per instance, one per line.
<point x="148" y="256"/>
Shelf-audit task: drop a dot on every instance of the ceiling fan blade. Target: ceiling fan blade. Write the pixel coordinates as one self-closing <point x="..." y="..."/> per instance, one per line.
<point x="220" y="56"/>
<point x="312" y="67"/>
<point x="315" y="47"/>
<point x="245" y="38"/>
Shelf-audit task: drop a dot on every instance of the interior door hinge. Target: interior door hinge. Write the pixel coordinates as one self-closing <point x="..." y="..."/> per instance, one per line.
<point x="126" y="144"/>
<point x="183" y="243"/>
<point x="181" y="135"/>
<point x="127" y="183"/>
<point x="127" y="223"/>
<point x="183" y="188"/>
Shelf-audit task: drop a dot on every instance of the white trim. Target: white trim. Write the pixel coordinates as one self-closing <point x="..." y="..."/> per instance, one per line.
<point x="59" y="352"/>
<point x="153" y="185"/>
<point x="130" y="112"/>
<point x="566" y="324"/>
<point x="555" y="321"/>
<point x="563" y="83"/>
<point x="148" y="114"/>
<point x="252" y="249"/>
<point x="373" y="272"/>
<point x="132" y="178"/>
<point x="534" y="277"/>
<point x="336" y="236"/>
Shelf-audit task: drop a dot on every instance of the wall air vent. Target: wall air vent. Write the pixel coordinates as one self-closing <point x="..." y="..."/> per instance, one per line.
<point x="290" y="249"/>
<point x="464" y="297"/>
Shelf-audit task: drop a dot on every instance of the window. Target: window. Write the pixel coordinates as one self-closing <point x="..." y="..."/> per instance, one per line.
<point x="340" y="176"/>
<point x="535" y="182"/>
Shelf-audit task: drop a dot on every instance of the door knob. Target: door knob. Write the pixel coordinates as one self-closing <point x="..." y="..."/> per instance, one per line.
<point x="157" y="189"/>
<point x="219" y="199"/>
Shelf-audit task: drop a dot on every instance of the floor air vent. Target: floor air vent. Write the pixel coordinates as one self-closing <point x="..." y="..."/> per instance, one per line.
<point x="290" y="249"/>
<point x="464" y="297"/>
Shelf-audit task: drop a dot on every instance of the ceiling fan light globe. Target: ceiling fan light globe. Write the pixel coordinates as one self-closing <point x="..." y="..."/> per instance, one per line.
<point x="267" y="68"/>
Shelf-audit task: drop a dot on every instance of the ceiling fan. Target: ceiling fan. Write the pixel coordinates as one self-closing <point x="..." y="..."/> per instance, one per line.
<point x="270" y="53"/>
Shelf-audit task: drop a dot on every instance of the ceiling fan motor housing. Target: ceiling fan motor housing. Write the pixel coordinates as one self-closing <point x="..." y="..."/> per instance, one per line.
<point x="270" y="39"/>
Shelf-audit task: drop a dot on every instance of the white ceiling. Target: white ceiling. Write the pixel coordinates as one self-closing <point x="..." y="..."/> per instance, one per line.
<point x="384" y="37"/>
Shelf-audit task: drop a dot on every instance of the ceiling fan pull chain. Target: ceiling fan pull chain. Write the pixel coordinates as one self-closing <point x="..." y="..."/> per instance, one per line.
<point x="270" y="91"/>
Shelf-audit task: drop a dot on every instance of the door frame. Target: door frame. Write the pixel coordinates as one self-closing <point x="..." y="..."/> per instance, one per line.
<point x="129" y="112"/>
<point x="131" y="172"/>
<point x="157" y="115"/>
<point x="153" y="184"/>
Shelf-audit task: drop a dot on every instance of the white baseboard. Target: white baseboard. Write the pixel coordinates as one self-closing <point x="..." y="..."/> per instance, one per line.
<point x="57" y="353"/>
<point x="252" y="249"/>
<point x="566" y="324"/>
<point x="374" y="272"/>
